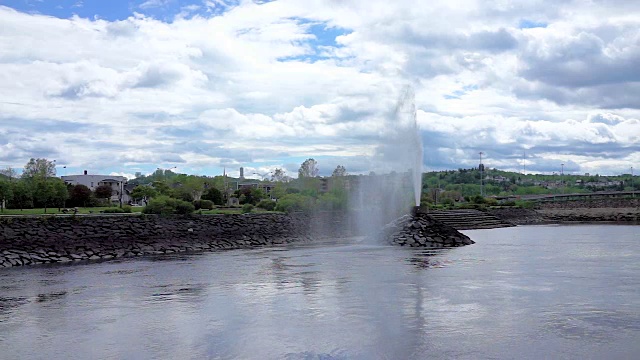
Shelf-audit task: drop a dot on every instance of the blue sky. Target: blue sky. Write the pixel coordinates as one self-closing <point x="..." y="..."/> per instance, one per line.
<point x="125" y="86"/>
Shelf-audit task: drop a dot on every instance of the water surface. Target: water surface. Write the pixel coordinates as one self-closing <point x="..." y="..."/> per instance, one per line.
<point x="523" y="293"/>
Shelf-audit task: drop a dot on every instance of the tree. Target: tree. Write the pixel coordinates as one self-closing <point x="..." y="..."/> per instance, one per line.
<point x="308" y="169"/>
<point x="279" y="175"/>
<point x="249" y="195"/>
<point x="6" y="193"/>
<point x="143" y="193"/>
<point x="9" y="173"/>
<point x="339" y="171"/>
<point x="194" y="185"/>
<point x="213" y="194"/>
<point x="48" y="192"/>
<point x="39" y="168"/>
<point x="79" y="195"/>
<point x="183" y="194"/>
<point x="162" y="188"/>
<point x="22" y="195"/>
<point x="103" y="191"/>
<point x="60" y="193"/>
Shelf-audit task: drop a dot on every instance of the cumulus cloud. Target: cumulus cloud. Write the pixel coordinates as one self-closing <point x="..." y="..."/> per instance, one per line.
<point x="268" y="84"/>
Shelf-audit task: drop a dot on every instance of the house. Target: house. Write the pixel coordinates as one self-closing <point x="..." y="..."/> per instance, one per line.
<point x="118" y="185"/>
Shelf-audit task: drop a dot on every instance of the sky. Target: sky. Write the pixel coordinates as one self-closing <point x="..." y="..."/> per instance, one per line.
<point x="200" y="87"/>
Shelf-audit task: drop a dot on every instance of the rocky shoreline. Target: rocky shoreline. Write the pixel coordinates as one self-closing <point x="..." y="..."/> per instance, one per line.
<point x="32" y="240"/>
<point x="40" y="240"/>
<point x="423" y="230"/>
<point x="567" y="215"/>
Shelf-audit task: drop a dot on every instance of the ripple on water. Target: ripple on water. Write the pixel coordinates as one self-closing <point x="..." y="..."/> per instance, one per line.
<point x="601" y="325"/>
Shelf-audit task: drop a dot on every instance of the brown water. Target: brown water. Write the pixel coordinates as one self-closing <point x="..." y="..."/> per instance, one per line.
<point x="570" y="292"/>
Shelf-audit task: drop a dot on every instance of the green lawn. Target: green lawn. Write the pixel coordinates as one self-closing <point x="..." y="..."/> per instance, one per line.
<point x="135" y="209"/>
<point x="230" y="211"/>
<point x="82" y="210"/>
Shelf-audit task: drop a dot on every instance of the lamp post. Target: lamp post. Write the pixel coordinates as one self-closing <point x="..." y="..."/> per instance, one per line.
<point x="262" y="175"/>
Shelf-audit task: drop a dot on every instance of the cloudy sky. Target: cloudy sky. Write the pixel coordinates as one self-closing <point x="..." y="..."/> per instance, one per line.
<point x="122" y="86"/>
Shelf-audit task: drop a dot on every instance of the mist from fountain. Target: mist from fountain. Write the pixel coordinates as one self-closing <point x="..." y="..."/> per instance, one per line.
<point x="396" y="186"/>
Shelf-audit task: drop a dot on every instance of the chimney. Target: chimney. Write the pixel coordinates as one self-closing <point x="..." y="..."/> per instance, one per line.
<point x="85" y="172"/>
<point x="241" y="172"/>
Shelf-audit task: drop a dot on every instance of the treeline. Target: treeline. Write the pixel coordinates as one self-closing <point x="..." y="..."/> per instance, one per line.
<point x="38" y="187"/>
<point x="466" y="182"/>
<point x="165" y="191"/>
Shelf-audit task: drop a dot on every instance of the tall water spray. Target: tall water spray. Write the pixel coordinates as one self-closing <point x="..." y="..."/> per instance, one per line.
<point x="396" y="185"/>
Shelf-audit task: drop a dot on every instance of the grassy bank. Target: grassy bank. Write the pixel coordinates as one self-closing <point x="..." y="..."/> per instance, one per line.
<point x="135" y="210"/>
<point x="40" y="211"/>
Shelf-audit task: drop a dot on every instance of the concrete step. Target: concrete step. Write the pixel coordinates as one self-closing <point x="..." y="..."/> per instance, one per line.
<point x="468" y="219"/>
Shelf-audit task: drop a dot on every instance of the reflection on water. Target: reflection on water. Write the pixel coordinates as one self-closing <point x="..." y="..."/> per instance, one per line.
<point x="525" y="292"/>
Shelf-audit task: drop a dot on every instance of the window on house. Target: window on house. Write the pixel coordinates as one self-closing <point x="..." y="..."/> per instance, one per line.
<point x="92" y="184"/>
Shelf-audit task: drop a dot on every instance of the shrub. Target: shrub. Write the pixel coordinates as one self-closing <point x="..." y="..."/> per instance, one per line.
<point x="491" y="201"/>
<point x="247" y="208"/>
<point x="214" y="195"/>
<point x="295" y="202"/>
<point x="126" y="209"/>
<point x="184" y="208"/>
<point x="268" y="205"/>
<point x="165" y="205"/>
<point x="113" y="210"/>
<point x="207" y="204"/>
<point x="203" y="204"/>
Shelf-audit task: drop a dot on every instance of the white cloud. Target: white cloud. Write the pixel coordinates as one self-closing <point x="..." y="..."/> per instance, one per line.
<point x="260" y="84"/>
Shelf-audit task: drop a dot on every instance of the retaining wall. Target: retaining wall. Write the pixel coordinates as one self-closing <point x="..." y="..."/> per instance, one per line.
<point x="37" y="240"/>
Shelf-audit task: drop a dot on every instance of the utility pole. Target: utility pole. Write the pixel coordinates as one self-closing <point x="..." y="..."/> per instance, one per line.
<point x="633" y="189"/>
<point x="481" y="168"/>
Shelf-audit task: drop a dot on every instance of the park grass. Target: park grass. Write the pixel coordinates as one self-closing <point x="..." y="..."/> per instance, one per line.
<point x="54" y="211"/>
<point x="134" y="210"/>
<point x="228" y="211"/>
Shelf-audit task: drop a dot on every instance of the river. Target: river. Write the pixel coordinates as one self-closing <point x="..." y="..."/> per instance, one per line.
<point x="530" y="292"/>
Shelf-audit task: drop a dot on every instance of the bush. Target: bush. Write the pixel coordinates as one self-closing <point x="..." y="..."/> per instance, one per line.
<point x="113" y="210"/>
<point x="268" y="205"/>
<point x="126" y="208"/>
<point x="203" y="204"/>
<point x="184" y="208"/>
<point x="491" y="202"/>
<point x="247" y="208"/>
<point x="214" y="195"/>
<point x="295" y="202"/>
<point x="165" y="205"/>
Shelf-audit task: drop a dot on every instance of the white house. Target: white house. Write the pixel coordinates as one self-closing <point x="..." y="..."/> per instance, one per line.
<point x="117" y="184"/>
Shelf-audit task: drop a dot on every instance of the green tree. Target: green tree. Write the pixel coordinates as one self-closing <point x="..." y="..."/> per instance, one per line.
<point x="279" y="175"/>
<point x="144" y="193"/>
<point x="214" y="195"/>
<point x="339" y="171"/>
<point x="6" y="193"/>
<point x="60" y="193"/>
<point x="182" y="194"/>
<point x="162" y="188"/>
<point x="39" y="168"/>
<point x="103" y="192"/>
<point x="79" y="195"/>
<point x="9" y="173"/>
<point x="22" y="195"/>
<point x="49" y="192"/>
<point x="250" y="195"/>
<point x="308" y="169"/>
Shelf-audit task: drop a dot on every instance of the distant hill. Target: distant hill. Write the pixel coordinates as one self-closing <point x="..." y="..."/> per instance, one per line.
<point x="500" y="183"/>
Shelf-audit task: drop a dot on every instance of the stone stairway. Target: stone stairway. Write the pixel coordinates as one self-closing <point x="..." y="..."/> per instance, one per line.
<point x="468" y="219"/>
